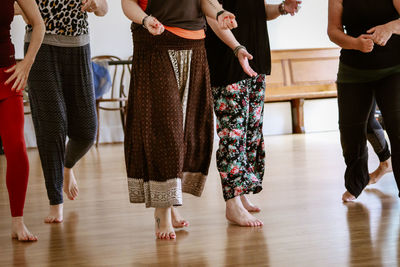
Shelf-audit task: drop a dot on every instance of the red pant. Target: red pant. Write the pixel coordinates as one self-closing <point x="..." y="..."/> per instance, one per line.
<point x="12" y="135"/>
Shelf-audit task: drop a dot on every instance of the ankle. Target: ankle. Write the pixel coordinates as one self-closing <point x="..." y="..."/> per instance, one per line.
<point x="17" y="220"/>
<point x="234" y="202"/>
<point x="385" y="164"/>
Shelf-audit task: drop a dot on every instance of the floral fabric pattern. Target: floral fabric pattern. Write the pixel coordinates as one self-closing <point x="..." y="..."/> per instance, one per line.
<point x="239" y="109"/>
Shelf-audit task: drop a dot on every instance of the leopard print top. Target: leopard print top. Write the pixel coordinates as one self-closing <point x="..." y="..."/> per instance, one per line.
<point x="63" y="17"/>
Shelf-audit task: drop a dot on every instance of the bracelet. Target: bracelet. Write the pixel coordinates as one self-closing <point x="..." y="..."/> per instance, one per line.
<point x="219" y="13"/>
<point x="281" y="8"/>
<point x="144" y="20"/>
<point x="237" y="48"/>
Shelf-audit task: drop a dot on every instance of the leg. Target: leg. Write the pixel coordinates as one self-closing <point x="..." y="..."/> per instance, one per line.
<point x="355" y="102"/>
<point x="376" y="137"/>
<point x="50" y="121"/>
<point x="388" y="99"/>
<point x="255" y="139"/>
<point x="231" y="106"/>
<point x="12" y="133"/>
<point x="80" y="104"/>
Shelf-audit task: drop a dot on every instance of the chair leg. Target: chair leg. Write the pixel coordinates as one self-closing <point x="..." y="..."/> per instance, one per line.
<point x="98" y="124"/>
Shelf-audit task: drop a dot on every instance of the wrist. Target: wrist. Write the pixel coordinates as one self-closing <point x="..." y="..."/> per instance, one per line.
<point x="144" y="19"/>
<point x="355" y="44"/>
<point x="281" y="8"/>
<point x="219" y="13"/>
<point x="237" y="49"/>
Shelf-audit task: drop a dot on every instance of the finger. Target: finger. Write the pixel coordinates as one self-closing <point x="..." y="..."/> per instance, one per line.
<point x="371" y="30"/>
<point x="15" y="84"/>
<point x="235" y="25"/>
<point x="86" y="5"/>
<point x="10" y="69"/>
<point x="11" y="78"/>
<point x="248" y="55"/>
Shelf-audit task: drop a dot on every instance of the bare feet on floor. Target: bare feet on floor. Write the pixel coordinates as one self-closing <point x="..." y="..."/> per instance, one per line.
<point x="70" y="186"/>
<point x="20" y="232"/>
<point x="236" y="213"/>
<point x="383" y="168"/>
<point x="177" y="220"/>
<point x="250" y="207"/>
<point x="164" y="228"/>
<point x="55" y="214"/>
<point x="347" y="197"/>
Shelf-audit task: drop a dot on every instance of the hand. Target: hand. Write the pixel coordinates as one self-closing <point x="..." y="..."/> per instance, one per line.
<point x="153" y="25"/>
<point x="20" y="75"/>
<point x="292" y="6"/>
<point x="244" y="57"/>
<point x="365" y="43"/>
<point x="381" y="34"/>
<point x="227" y="21"/>
<point x="89" y="5"/>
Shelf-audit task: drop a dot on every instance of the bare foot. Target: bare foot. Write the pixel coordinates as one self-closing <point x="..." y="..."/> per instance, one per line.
<point x="347" y="197"/>
<point x="70" y="186"/>
<point x="164" y="228"/>
<point x="19" y="230"/>
<point x="236" y="213"/>
<point x="177" y="220"/>
<point x="55" y="214"/>
<point x="248" y="205"/>
<point x="383" y="168"/>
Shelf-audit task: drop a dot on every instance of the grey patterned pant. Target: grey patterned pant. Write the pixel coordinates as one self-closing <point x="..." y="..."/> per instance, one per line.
<point x="63" y="104"/>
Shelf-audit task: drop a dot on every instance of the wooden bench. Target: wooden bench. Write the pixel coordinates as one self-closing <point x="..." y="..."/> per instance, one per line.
<point x="302" y="74"/>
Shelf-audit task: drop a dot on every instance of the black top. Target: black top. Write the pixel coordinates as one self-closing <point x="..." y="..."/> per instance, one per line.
<point x="252" y="33"/>
<point x="175" y="13"/>
<point x="6" y="47"/>
<point x="358" y="17"/>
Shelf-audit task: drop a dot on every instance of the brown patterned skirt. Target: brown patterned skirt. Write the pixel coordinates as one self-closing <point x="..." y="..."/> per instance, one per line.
<point x="169" y="127"/>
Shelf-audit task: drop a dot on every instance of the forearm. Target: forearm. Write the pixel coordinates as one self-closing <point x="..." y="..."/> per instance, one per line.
<point x="102" y="8"/>
<point x="133" y="11"/>
<point x="29" y="9"/>
<point x="210" y="8"/>
<point x="272" y="11"/>
<point x="225" y="35"/>
<point x="35" y="42"/>
<point x="343" y="40"/>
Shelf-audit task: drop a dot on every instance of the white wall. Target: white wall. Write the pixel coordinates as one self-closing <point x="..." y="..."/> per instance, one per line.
<point x="111" y="34"/>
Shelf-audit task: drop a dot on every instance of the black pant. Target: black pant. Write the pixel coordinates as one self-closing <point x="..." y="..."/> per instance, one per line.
<point x="62" y="102"/>
<point x="355" y="101"/>
<point x="376" y="136"/>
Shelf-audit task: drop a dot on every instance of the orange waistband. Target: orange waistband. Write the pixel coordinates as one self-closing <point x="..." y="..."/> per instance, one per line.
<point x="187" y="34"/>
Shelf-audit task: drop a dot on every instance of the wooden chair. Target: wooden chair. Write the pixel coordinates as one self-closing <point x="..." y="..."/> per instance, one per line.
<point x="117" y="94"/>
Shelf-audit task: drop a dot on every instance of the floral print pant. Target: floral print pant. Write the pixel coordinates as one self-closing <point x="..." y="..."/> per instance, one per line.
<point x="239" y="110"/>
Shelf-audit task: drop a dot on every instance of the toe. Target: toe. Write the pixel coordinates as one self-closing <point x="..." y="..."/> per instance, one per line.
<point x="172" y="235"/>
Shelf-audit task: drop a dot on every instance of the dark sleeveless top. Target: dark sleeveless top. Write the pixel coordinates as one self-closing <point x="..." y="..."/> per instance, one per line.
<point x="185" y="14"/>
<point x="6" y="47"/>
<point x="358" y="17"/>
<point x="252" y="33"/>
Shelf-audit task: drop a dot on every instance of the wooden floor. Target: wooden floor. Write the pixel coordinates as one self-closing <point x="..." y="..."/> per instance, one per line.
<point x="305" y="222"/>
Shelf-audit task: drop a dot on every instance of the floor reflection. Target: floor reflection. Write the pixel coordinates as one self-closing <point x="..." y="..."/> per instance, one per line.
<point x="245" y="246"/>
<point x="368" y="247"/>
